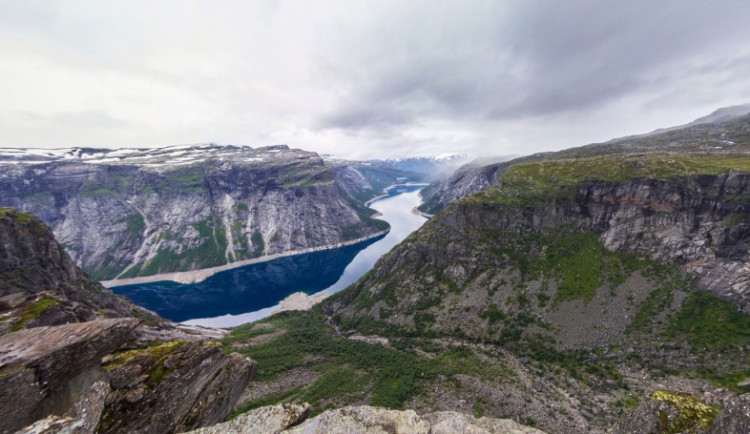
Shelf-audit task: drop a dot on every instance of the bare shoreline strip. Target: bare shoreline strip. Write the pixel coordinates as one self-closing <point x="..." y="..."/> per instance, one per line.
<point x="416" y="211"/>
<point x="200" y="275"/>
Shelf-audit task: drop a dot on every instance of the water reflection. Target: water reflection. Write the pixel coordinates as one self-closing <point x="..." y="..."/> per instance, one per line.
<point x="248" y="293"/>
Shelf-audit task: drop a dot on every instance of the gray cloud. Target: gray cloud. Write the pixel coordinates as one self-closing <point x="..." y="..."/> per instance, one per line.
<point x="366" y="78"/>
<point x="542" y="58"/>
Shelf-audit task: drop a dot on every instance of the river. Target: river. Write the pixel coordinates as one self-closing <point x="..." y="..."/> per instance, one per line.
<point x="252" y="292"/>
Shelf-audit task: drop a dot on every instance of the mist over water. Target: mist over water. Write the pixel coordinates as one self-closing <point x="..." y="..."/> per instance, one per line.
<point x="249" y="293"/>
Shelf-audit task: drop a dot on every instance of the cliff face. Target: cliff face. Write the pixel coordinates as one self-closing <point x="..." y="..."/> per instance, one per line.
<point x="149" y="212"/>
<point x="39" y="283"/>
<point x="623" y="273"/>
<point x="723" y="132"/>
<point x="699" y="222"/>
<point x="464" y="182"/>
<point x="76" y="358"/>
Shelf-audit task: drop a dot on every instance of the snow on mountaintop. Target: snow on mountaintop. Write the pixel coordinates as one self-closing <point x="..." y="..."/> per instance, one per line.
<point x="170" y="156"/>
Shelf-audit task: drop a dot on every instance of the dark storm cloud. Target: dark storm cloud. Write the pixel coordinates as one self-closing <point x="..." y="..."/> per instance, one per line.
<point x="535" y="58"/>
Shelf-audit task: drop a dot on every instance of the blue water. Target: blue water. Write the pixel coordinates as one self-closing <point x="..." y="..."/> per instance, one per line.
<point x="244" y="294"/>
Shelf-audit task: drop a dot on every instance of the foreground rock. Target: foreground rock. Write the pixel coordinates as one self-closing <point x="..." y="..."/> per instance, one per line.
<point x="270" y="419"/>
<point x="362" y="419"/>
<point x="50" y="372"/>
<point x="67" y="366"/>
<point x="42" y="369"/>
<point x="172" y="387"/>
<point x="41" y="286"/>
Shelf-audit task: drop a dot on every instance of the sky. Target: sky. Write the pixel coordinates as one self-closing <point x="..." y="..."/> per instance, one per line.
<point x="365" y="79"/>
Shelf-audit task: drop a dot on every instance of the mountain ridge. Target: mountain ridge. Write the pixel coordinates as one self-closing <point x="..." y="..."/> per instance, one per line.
<point x="189" y="208"/>
<point x="730" y="134"/>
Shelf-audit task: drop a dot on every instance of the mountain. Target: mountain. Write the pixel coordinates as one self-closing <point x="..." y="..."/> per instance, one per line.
<point x="723" y="114"/>
<point x="141" y="212"/>
<point x="432" y="168"/>
<point x="726" y="131"/>
<point x="598" y="289"/>
<point x="467" y="179"/>
<point x="76" y="358"/>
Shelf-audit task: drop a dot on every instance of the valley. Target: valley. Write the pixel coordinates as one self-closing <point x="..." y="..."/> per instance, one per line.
<point x="248" y="293"/>
<point x="597" y="289"/>
<point x="134" y="213"/>
<point x="375" y="217"/>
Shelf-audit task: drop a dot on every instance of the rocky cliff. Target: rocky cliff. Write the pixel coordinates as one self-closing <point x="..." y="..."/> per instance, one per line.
<point x="596" y="281"/>
<point x="465" y="181"/>
<point x="142" y="212"/>
<point x="40" y="285"/>
<point x="76" y="358"/>
<point x="726" y="131"/>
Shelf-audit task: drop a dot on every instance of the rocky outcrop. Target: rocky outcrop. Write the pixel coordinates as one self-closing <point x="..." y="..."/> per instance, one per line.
<point x="78" y="377"/>
<point x="271" y="419"/>
<point x="43" y="368"/>
<point x="668" y="411"/>
<point x="41" y="286"/>
<point x="81" y="419"/>
<point x="171" y="387"/>
<point x="354" y="183"/>
<point x="75" y="358"/>
<point x="362" y="419"/>
<point x="186" y="208"/>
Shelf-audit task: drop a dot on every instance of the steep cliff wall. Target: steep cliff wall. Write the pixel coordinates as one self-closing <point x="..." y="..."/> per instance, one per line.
<point x="191" y="208"/>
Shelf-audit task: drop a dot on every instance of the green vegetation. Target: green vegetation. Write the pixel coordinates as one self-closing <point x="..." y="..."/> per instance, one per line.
<point x="94" y="187"/>
<point x="667" y="280"/>
<point x="156" y="354"/>
<point x="691" y="413"/>
<point x="135" y="223"/>
<point x="23" y="219"/>
<point x="493" y="314"/>
<point x="303" y="175"/>
<point x="258" y="244"/>
<point x="707" y="321"/>
<point x="478" y="408"/>
<point x="538" y="182"/>
<point x="349" y="371"/>
<point x="577" y="262"/>
<point x="209" y="253"/>
<point x="34" y="311"/>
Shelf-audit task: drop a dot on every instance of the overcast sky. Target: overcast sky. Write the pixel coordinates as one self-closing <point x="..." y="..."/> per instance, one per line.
<point x="364" y="79"/>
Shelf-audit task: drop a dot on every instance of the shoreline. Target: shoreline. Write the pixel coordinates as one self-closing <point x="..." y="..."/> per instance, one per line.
<point x="196" y="276"/>
<point x="416" y="211"/>
<point x="300" y="300"/>
<point x="385" y="191"/>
